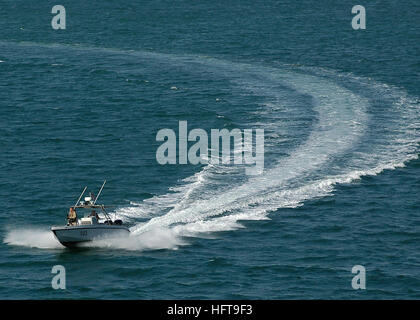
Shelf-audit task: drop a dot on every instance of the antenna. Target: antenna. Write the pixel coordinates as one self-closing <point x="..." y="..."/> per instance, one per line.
<point x="99" y="193"/>
<point x="84" y="190"/>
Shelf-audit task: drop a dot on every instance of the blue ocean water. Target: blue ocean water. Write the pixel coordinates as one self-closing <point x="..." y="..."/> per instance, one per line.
<point x="341" y="114"/>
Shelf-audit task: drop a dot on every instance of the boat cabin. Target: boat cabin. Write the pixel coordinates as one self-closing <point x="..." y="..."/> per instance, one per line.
<point x="88" y="221"/>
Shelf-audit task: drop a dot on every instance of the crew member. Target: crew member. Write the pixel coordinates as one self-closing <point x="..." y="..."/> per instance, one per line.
<point x="72" y="217"/>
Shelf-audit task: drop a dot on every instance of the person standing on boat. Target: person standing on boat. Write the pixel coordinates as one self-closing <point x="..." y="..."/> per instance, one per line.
<point x="72" y="216"/>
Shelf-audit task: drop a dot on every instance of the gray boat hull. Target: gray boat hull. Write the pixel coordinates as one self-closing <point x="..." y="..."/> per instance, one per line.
<point x="71" y="236"/>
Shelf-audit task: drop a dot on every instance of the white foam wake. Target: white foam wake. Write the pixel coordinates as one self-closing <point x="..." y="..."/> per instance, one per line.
<point x="156" y="239"/>
<point x="340" y="123"/>
<point x="343" y="119"/>
<point x="362" y="128"/>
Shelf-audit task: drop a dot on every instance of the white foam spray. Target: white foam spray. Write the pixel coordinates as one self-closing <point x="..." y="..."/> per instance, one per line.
<point x="32" y="237"/>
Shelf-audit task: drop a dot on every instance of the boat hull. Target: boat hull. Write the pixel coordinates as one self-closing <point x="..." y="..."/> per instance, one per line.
<point x="72" y="236"/>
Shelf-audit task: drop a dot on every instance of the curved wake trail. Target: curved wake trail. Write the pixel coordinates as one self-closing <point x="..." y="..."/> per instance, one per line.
<point x="344" y="118"/>
<point x="341" y="120"/>
<point x="361" y="128"/>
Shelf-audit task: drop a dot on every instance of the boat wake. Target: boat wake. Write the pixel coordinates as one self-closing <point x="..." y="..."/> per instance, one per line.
<point x="361" y="127"/>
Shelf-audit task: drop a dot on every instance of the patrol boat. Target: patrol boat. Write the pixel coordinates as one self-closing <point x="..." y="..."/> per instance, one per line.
<point x="91" y="226"/>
